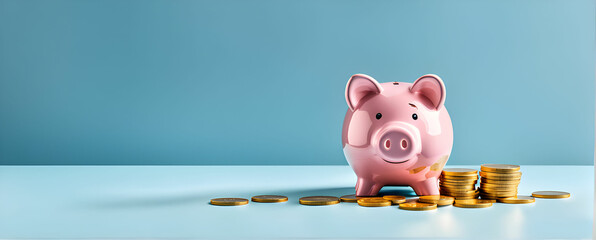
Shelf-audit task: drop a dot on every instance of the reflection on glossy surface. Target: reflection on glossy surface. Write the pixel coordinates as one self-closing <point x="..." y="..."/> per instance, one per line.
<point x="513" y="222"/>
<point x="396" y="134"/>
<point x="134" y="202"/>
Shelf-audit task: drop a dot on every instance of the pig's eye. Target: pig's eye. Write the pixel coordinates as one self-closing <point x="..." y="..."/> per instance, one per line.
<point x="414" y="116"/>
<point x="379" y="115"/>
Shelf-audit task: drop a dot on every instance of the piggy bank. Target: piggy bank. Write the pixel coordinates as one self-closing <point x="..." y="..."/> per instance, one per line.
<point x="396" y="133"/>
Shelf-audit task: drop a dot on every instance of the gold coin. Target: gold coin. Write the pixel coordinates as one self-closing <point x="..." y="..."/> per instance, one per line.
<point x="499" y="182"/>
<point x="460" y="191"/>
<point x="429" y="198"/>
<point x="472" y="203"/>
<point x="417" y="206"/>
<point x="457" y="183"/>
<point x="374" y="202"/>
<point x="381" y="198"/>
<point x="459" y="194"/>
<point x="319" y="200"/>
<point x="463" y="198"/>
<point x="502" y="176"/>
<point x="269" y="198"/>
<point x="229" y="201"/>
<point x="458" y="178"/>
<point x="493" y="198"/>
<point x="469" y="182"/>
<point x="440" y="200"/>
<point x="551" y="194"/>
<point x="489" y="200"/>
<point x="482" y="190"/>
<point x="499" y="191"/>
<point x="499" y="168"/>
<point x="475" y="201"/>
<point x="500" y="195"/>
<point x="395" y="199"/>
<point x="460" y="187"/>
<point x="517" y="199"/>
<point x="498" y="188"/>
<point x="496" y="196"/>
<point x="459" y="172"/>
<point x="349" y="198"/>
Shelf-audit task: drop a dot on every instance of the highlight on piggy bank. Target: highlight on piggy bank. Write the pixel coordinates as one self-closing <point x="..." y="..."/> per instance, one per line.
<point x="396" y="133"/>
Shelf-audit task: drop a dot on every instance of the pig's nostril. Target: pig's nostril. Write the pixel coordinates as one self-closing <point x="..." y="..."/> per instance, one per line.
<point x="404" y="144"/>
<point x="387" y="144"/>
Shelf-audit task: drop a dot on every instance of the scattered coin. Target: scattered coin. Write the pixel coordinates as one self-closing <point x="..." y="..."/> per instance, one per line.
<point x="349" y="198"/>
<point x="551" y="194"/>
<point x="440" y="200"/>
<point x="374" y="202"/>
<point x="269" y="198"/>
<point x="229" y="201"/>
<point x="395" y="199"/>
<point x="319" y="200"/>
<point x="472" y="203"/>
<point x="417" y="206"/>
<point x="517" y="200"/>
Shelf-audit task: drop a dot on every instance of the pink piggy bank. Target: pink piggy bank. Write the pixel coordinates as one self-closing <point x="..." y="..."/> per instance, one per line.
<point x="396" y="133"/>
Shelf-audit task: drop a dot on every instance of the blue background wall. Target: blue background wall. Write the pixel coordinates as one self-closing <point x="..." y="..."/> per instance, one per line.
<point x="262" y="82"/>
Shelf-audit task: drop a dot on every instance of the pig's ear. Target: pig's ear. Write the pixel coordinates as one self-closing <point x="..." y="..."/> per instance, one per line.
<point x="431" y="87"/>
<point x="359" y="86"/>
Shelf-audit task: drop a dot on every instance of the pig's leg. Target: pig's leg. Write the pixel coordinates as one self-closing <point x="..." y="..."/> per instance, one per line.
<point x="429" y="186"/>
<point x="365" y="187"/>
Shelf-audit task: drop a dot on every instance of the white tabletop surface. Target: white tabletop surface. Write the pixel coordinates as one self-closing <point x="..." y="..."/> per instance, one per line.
<point x="93" y="202"/>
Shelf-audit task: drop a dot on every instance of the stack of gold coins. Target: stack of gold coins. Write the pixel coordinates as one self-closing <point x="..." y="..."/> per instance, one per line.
<point x="499" y="180"/>
<point x="459" y="183"/>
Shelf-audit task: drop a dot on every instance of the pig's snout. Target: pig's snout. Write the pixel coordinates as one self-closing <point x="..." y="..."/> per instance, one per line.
<point x="398" y="142"/>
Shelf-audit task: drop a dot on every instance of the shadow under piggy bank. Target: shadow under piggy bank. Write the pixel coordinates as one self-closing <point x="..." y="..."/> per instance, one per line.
<point x="294" y="196"/>
<point x="190" y="198"/>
